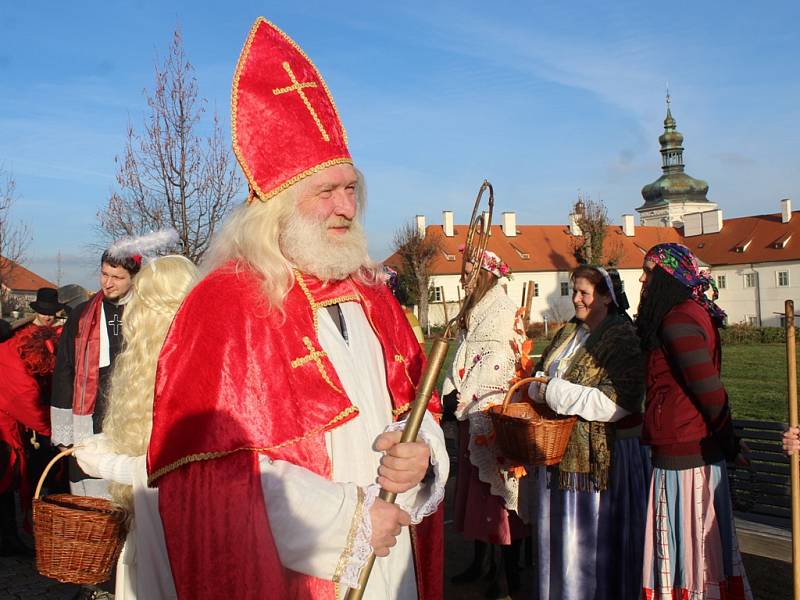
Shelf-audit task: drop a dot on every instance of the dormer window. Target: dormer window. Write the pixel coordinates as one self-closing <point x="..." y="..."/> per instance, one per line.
<point x="781" y="242"/>
<point x="522" y="254"/>
<point x="742" y="246"/>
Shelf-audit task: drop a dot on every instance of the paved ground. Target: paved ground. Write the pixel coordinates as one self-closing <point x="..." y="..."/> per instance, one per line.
<point x="20" y="581"/>
<point x="770" y="579"/>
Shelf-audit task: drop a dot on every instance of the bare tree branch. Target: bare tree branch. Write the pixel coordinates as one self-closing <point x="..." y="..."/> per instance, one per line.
<point x="592" y="218"/>
<point x="417" y="253"/>
<point x="15" y="237"/>
<point x="170" y="175"/>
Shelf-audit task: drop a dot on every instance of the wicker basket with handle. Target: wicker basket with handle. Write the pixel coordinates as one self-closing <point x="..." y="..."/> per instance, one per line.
<point x="530" y="434"/>
<point x="78" y="538"/>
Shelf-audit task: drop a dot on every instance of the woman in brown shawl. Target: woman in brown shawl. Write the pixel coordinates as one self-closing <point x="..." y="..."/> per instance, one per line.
<point x="588" y="512"/>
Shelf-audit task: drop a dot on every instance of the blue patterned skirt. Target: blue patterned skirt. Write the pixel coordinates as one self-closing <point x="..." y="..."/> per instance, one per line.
<point x="589" y="545"/>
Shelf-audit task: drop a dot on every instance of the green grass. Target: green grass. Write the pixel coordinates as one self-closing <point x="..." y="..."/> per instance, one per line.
<point x="755" y="377"/>
<point x="753" y="374"/>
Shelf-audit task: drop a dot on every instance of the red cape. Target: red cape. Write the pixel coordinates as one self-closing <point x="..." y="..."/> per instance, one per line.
<point x="235" y="380"/>
<point x="22" y="406"/>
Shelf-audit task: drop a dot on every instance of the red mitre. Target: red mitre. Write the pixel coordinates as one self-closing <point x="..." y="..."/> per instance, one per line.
<point x="283" y="120"/>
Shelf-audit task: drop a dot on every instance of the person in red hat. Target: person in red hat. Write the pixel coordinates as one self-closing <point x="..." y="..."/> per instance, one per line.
<point x="284" y="379"/>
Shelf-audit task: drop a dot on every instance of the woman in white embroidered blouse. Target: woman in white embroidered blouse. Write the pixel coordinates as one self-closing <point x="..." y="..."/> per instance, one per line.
<point x="486" y="495"/>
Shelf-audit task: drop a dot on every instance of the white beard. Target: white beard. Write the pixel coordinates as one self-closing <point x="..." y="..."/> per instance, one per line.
<point x="307" y="244"/>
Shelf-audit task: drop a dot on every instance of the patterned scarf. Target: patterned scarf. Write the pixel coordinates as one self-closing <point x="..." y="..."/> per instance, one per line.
<point x="679" y="262"/>
<point x="612" y="362"/>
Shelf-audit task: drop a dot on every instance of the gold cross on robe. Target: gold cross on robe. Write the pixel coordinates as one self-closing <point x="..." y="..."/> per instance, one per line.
<point x="298" y="87"/>
<point x="316" y="356"/>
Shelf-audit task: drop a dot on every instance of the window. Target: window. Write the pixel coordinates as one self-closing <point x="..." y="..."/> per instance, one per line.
<point x="565" y="288"/>
<point x="783" y="278"/>
<point x="437" y="294"/>
<point x="535" y="289"/>
<point x="721" y="282"/>
<point x="749" y="280"/>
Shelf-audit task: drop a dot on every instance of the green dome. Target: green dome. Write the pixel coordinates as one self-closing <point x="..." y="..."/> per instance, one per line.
<point x="674" y="185"/>
<point x="671" y="139"/>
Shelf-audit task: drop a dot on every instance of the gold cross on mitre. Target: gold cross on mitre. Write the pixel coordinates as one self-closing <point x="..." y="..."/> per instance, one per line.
<point x="298" y="87"/>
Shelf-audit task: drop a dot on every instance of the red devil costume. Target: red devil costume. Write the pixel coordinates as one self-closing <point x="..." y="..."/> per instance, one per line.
<point x="26" y="361"/>
<point x="266" y="395"/>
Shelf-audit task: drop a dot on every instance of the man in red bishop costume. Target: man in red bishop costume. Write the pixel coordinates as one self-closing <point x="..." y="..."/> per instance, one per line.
<point x="283" y="382"/>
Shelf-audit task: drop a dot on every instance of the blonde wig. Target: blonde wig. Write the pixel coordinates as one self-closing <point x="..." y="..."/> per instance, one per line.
<point x="252" y="236"/>
<point x="158" y="290"/>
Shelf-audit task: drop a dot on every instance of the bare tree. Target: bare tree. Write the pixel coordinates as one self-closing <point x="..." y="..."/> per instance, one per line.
<point x="14" y="237"/>
<point x="170" y="175"/>
<point x="592" y="219"/>
<point x="417" y="253"/>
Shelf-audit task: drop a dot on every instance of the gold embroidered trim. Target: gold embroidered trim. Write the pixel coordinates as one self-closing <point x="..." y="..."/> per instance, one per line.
<point x="316" y="356"/>
<point x="312" y="355"/>
<point x="399" y="358"/>
<point x="315" y="306"/>
<point x="401" y="409"/>
<point x="235" y="102"/>
<point x="351" y="537"/>
<point x="298" y="87"/>
<point x="211" y="455"/>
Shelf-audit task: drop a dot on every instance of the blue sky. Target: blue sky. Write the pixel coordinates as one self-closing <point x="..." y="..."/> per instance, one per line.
<point x="542" y="98"/>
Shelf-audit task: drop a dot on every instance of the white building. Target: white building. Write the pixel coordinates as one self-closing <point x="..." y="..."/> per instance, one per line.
<point x="755" y="259"/>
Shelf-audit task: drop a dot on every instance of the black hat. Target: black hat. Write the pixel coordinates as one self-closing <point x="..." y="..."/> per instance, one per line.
<point x="72" y="295"/>
<point x="46" y="302"/>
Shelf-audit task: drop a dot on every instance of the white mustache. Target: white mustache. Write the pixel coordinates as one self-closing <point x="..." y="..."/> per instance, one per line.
<point x="336" y="222"/>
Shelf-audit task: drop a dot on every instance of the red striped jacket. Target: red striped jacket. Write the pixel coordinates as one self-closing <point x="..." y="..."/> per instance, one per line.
<point x="687" y="416"/>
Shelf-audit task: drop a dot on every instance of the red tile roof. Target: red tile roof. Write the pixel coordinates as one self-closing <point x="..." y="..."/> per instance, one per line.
<point x="545" y="247"/>
<point x="19" y="279"/>
<point x="760" y="238"/>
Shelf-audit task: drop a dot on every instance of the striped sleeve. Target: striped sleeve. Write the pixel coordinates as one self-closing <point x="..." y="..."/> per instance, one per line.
<point x="687" y="346"/>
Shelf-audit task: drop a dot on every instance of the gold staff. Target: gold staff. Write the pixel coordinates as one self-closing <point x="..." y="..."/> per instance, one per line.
<point x="794" y="460"/>
<point x="474" y="247"/>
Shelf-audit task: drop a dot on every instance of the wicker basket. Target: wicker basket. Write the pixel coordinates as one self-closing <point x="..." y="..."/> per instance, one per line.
<point x="530" y="434"/>
<point x="78" y="538"/>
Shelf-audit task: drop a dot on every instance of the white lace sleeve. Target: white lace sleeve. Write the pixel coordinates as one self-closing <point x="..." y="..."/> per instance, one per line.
<point x="61" y="425"/>
<point x="424" y="499"/>
<point x="360" y="548"/>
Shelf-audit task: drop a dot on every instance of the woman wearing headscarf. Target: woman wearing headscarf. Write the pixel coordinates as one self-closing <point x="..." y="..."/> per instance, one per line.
<point x="690" y="545"/>
<point x="588" y="512"/>
<point x="483" y="367"/>
<point x="118" y="454"/>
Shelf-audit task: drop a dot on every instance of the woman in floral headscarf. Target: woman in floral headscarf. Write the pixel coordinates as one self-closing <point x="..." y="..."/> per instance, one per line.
<point x="690" y="541"/>
<point x="483" y="367"/>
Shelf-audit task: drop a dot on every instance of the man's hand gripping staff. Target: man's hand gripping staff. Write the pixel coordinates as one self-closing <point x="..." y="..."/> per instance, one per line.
<point x="403" y="466"/>
<point x="405" y="463"/>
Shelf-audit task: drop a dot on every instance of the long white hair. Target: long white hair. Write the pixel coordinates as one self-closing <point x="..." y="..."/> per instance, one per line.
<point x="254" y="236"/>
<point x="158" y="290"/>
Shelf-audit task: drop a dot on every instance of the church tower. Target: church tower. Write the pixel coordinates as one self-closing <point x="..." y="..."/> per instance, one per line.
<point x="675" y="193"/>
